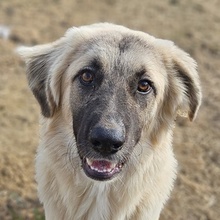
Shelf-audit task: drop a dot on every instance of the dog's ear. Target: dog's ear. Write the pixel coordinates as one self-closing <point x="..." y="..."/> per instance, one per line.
<point x="183" y="91"/>
<point x="43" y="74"/>
<point x="186" y="82"/>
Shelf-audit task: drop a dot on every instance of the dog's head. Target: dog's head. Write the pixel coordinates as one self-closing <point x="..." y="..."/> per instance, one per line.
<point x="115" y="87"/>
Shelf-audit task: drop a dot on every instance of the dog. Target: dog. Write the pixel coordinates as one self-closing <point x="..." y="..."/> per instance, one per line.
<point x="109" y="97"/>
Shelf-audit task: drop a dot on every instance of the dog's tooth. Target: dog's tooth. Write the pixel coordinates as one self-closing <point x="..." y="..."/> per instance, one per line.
<point x="113" y="165"/>
<point x="89" y="162"/>
<point x="94" y="168"/>
<point x="120" y="166"/>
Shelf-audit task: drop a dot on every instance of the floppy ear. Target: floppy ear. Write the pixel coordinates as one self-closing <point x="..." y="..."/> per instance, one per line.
<point x="182" y="94"/>
<point x="186" y="82"/>
<point x="44" y="74"/>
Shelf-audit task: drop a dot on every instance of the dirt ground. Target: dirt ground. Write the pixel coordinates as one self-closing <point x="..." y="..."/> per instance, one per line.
<point x="192" y="25"/>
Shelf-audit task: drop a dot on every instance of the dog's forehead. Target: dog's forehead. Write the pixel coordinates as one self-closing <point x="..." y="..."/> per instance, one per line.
<point x="126" y="52"/>
<point x="121" y="55"/>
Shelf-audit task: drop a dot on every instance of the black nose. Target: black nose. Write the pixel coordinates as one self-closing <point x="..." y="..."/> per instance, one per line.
<point x="107" y="141"/>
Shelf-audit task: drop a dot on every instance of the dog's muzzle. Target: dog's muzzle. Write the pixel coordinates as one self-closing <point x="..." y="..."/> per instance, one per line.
<point x="106" y="142"/>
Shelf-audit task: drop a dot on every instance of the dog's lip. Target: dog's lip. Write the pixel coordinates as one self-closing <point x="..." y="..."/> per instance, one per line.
<point x="101" y="169"/>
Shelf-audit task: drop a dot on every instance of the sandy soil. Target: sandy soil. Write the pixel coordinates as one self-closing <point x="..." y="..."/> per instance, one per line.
<point x="193" y="25"/>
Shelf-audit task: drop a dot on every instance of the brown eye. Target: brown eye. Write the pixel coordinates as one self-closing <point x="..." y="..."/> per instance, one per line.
<point x="86" y="77"/>
<point x="144" y="86"/>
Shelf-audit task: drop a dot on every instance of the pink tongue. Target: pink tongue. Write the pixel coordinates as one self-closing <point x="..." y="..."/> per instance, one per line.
<point x="101" y="164"/>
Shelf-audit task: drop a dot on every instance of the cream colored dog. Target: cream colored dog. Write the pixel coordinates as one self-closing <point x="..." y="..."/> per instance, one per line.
<point x="109" y="98"/>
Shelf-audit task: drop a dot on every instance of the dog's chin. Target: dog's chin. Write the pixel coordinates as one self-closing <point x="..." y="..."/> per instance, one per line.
<point x="100" y="169"/>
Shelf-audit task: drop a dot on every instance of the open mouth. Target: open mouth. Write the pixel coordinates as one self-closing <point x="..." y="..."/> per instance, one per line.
<point x="101" y="169"/>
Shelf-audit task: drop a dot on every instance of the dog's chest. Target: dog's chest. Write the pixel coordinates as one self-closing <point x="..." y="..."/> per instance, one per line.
<point x="94" y="203"/>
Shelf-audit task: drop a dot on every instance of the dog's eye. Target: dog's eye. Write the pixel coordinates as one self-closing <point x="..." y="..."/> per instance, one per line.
<point x="144" y="86"/>
<point x="86" y="77"/>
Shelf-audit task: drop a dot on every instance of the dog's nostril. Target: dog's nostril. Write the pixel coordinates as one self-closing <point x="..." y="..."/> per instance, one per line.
<point x="95" y="142"/>
<point x="118" y="145"/>
<point x="107" y="140"/>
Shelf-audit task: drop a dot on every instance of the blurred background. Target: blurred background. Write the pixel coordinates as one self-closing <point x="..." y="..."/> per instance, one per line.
<point x="192" y="25"/>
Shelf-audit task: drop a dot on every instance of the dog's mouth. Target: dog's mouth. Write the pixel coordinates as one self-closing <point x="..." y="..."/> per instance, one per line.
<point x="101" y="169"/>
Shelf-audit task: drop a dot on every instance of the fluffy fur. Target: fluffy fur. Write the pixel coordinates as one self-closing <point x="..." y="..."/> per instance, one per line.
<point x="144" y="184"/>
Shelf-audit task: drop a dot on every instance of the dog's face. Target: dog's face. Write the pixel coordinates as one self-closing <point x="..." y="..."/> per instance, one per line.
<point x="116" y="87"/>
<point x="112" y="94"/>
